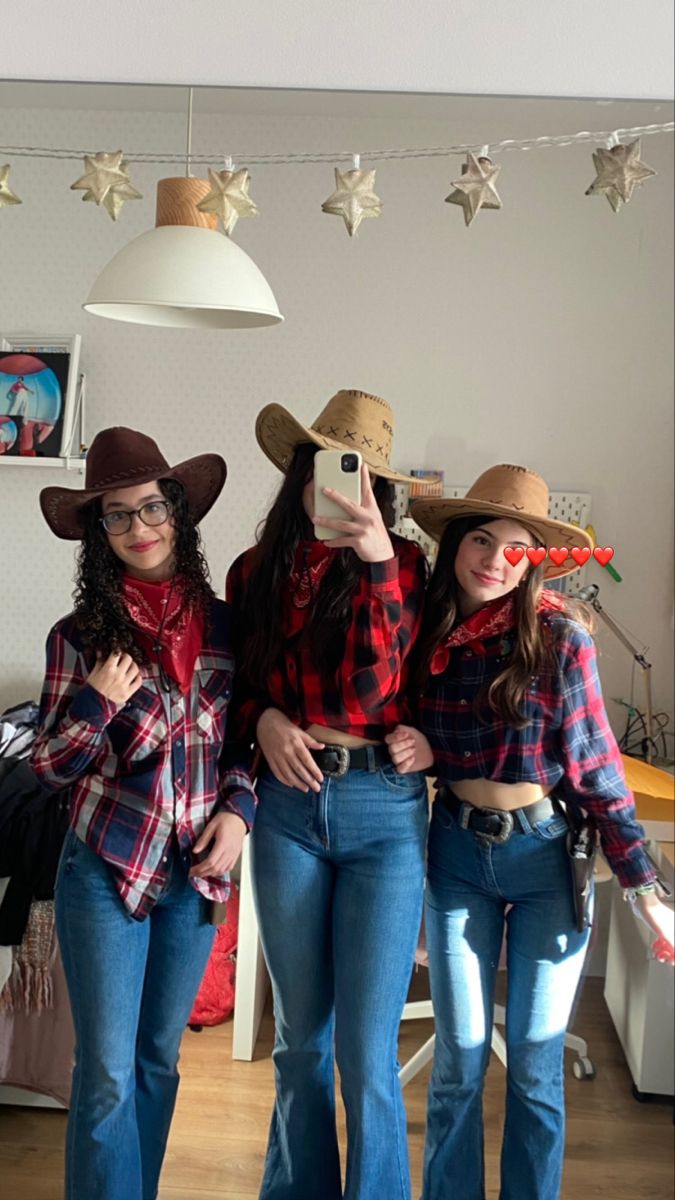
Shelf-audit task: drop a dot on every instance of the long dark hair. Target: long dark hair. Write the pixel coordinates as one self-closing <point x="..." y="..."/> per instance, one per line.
<point x="286" y="525"/>
<point x="533" y="652"/>
<point x="99" y="606"/>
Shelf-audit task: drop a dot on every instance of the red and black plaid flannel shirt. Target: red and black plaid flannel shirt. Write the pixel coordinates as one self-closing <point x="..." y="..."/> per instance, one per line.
<point x="141" y="773"/>
<point x="567" y="744"/>
<point x="366" y="696"/>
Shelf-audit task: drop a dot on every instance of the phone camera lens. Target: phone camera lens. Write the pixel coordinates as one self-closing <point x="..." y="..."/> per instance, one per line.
<point x="349" y="463"/>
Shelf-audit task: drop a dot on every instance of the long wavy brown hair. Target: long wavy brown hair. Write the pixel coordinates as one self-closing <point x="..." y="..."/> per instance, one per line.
<point x="260" y="639"/>
<point x="534" y="648"/>
<point x="99" y="606"/>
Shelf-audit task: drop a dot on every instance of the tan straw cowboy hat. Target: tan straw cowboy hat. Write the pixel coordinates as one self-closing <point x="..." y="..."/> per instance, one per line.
<point x="119" y="458"/>
<point x="351" y="420"/>
<point x="516" y="493"/>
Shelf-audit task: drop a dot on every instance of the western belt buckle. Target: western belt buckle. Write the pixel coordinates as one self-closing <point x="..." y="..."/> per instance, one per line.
<point x="506" y="825"/>
<point x="343" y="758"/>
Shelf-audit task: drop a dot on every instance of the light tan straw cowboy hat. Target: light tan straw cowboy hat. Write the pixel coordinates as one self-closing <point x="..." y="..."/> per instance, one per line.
<point x="516" y="493"/>
<point x="351" y="420"/>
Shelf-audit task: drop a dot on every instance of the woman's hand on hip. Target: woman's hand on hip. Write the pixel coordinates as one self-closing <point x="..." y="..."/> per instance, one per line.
<point x="364" y="529"/>
<point x="224" y="836"/>
<point x="117" y="677"/>
<point x="286" y="749"/>
<point x="409" y="750"/>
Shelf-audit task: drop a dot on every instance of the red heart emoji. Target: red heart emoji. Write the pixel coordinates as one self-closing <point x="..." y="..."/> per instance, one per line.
<point x="557" y="556"/>
<point x="581" y="555"/>
<point x="513" y="554"/>
<point x="603" y="556"/>
<point x="536" y="554"/>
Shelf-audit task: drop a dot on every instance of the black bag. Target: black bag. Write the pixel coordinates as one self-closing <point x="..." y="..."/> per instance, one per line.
<point x="582" y="848"/>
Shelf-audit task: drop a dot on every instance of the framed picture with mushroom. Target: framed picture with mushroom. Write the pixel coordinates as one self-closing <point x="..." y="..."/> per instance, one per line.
<point x="39" y="383"/>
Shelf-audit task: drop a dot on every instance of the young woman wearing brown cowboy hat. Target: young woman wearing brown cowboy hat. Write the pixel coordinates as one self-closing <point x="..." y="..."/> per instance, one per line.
<point x="512" y="719"/>
<point x="132" y="719"/>
<point x="324" y="635"/>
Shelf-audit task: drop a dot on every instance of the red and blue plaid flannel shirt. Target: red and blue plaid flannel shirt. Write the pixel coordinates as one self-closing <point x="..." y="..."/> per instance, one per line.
<point x="366" y="696"/>
<point x="138" y="772"/>
<point x="568" y="743"/>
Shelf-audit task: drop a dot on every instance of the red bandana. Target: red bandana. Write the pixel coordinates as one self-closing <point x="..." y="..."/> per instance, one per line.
<point x="312" y="560"/>
<point x="496" y="617"/>
<point x="158" y="609"/>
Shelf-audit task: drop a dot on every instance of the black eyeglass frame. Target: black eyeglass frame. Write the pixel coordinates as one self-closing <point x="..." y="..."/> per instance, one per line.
<point x="136" y="512"/>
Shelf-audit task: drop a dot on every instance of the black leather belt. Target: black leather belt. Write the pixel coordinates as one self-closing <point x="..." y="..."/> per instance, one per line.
<point x="494" y="824"/>
<point x="335" y="761"/>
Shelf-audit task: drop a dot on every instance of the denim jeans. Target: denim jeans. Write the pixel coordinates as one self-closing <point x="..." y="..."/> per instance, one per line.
<point x="339" y="880"/>
<point x="132" y="985"/>
<point x="470" y="884"/>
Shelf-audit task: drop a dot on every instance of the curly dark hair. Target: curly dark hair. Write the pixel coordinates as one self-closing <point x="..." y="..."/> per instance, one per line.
<point x="260" y="639"/>
<point x="533" y="652"/>
<point x="99" y="608"/>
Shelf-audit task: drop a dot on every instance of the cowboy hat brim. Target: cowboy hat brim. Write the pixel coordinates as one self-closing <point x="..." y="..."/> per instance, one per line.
<point x="278" y="433"/>
<point x="432" y="516"/>
<point x="203" y="478"/>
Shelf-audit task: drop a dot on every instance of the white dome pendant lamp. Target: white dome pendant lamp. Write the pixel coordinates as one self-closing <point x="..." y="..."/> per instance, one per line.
<point x="184" y="273"/>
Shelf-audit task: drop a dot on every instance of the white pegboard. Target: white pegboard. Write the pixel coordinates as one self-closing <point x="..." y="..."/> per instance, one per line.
<point x="574" y="507"/>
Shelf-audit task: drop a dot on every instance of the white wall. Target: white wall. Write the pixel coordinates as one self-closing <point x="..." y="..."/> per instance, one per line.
<point x="542" y="335"/>
<point x="499" y="47"/>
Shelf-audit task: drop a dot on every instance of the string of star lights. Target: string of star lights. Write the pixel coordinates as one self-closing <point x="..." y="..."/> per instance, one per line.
<point x="106" y="181"/>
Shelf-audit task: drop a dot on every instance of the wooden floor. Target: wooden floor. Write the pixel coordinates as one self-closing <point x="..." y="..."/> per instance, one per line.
<point x="616" y="1147"/>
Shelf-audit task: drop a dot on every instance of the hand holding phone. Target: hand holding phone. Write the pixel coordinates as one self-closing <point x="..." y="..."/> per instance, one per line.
<point x="359" y="525"/>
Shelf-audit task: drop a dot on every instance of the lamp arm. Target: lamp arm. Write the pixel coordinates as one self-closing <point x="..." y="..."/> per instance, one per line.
<point x="648" y="744"/>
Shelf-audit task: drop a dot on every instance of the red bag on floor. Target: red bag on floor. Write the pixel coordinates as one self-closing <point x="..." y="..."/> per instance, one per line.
<point x="215" y="998"/>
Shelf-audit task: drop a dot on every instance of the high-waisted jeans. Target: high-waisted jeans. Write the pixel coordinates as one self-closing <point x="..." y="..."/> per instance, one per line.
<point x="339" y="879"/>
<point x="470" y="884"/>
<point x="132" y="985"/>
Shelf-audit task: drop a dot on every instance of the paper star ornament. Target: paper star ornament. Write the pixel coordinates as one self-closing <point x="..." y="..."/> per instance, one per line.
<point x="103" y="171"/>
<point x="229" y="198"/>
<point x="476" y="189"/>
<point x="7" y="196"/>
<point x="106" y="181"/>
<point x="354" y="198"/>
<point x="619" y="171"/>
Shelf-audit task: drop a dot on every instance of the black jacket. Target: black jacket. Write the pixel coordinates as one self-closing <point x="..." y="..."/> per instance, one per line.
<point x="33" y="824"/>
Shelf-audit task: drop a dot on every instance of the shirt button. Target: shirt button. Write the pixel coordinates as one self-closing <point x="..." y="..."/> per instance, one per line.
<point x="165" y="858"/>
<point x="464" y="703"/>
<point x="467" y="754"/>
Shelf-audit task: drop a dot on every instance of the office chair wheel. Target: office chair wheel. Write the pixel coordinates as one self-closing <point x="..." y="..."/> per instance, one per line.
<point x="583" y="1068"/>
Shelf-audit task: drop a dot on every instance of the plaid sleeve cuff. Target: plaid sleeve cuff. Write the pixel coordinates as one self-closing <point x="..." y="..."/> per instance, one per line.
<point x="92" y="708"/>
<point x="377" y="573"/>
<point x="237" y="796"/>
<point x="633" y="871"/>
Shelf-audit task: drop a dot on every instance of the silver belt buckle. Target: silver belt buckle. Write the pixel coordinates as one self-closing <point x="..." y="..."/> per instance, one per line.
<point x="506" y="819"/>
<point x="343" y="762"/>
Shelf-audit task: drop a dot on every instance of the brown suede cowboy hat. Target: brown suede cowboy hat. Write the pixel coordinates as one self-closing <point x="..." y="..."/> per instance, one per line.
<point x="514" y="492"/>
<point x="120" y="457"/>
<point x="351" y="420"/>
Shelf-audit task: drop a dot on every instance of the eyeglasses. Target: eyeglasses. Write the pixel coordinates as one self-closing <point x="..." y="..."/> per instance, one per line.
<point x="155" y="512"/>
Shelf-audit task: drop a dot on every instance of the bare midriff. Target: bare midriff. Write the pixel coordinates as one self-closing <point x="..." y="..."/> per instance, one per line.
<point x="337" y="737"/>
<point x="485" y="793"/>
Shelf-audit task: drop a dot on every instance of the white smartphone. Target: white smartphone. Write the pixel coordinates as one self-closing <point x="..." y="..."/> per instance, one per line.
<point x="339" y="469"/>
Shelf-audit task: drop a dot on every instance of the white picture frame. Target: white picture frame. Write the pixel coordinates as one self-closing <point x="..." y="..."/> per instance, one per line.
<point x="38" y="423"/>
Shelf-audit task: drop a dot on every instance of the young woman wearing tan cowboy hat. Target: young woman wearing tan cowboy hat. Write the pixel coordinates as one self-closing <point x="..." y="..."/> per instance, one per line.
<point x="512" y="718"/>
<point x="324" y="636"/>
<point x="133" y="714"/>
